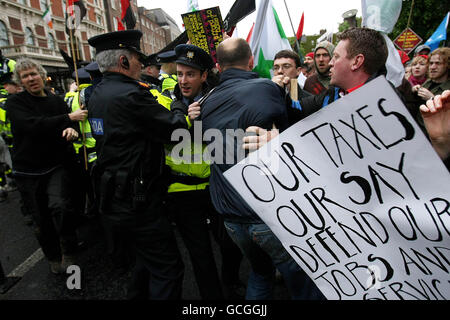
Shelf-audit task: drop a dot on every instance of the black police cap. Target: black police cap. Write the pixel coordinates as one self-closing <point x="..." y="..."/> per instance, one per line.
<point x="7" y="78"/>
<point x="168" y="56"/>
<point x="126" y="39"/>
<point x="152" y="60"/>
<point x="83" y="76"/>
<point x="193" y="56"/>
<point x="93" y="69"/>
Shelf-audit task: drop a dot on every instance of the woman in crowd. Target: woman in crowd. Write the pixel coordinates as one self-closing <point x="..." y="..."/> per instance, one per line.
<point x="419" y="71"/>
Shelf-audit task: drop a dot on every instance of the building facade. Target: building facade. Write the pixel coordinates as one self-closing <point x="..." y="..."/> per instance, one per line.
<point x="24" y="33"/>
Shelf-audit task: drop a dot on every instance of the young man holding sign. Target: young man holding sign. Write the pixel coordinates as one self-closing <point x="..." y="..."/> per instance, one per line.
<point x="359" y="57"/>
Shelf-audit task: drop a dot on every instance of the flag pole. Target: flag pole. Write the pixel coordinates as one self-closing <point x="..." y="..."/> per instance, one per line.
<point x="407" y="25"/>
<point x="292" y="26"/>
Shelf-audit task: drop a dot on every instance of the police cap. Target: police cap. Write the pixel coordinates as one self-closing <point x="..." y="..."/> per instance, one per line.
<point x="194" y="57"/>
<point x="152" y="60"/>
<point x="93" y="69"/>
<point x="166" y="57"/>
<point x="126" y="39"/>
<point x="7" y="78"/>
<point x="83" y="76"/>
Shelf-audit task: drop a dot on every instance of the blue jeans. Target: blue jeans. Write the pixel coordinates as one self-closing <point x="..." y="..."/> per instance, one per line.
<point x="265" y="253"/>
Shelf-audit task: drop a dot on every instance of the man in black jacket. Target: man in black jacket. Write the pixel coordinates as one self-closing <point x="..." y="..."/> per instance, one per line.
<point x="359" y="57"/>
<point x="42" y="155"/>
<point x="241" y="99"/>
<point x="130" y="128"/>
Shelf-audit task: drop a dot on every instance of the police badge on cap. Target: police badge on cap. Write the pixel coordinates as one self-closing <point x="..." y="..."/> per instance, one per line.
<point x="127" y="39"/>
<point x="194" y="57"/>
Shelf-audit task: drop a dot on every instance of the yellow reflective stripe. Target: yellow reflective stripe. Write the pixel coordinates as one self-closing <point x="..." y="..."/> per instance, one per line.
<point x="188" y="122"/>
<point x="179" y="187"/>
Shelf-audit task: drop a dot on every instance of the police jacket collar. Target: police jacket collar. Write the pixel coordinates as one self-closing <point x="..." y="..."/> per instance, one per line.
<point x="234" y="73"/>
<point x="116" y="76"/>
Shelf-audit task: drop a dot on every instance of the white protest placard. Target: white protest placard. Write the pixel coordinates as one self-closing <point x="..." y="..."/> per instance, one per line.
<point x="358" y="197"/>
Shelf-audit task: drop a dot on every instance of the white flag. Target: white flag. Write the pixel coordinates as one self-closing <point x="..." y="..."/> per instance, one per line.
<point x="382" y="15"/>
<point x="192" y="5"/>
<point x="268" y="38"/>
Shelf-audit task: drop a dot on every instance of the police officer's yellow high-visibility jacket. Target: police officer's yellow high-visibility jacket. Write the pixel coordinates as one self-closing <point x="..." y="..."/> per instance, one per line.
<point x="198" y="170"/>
<point x="73" y="101"/>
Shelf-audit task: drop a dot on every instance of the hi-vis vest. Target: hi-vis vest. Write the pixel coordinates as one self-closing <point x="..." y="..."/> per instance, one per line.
<point x="73" y="101"/>
<point x="168" y="85"/>
<point x="195" y="169"/>
<point x="5" y="124"/>
<point x="7" y="66"/>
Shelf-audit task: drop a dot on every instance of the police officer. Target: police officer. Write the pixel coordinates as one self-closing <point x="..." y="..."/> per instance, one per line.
<point x="187" y="200"/>
<point x="130" y="128"/>
<point x="168" y="73"/>
<point x="151" y="72"/>
<point x="84" y="147"/>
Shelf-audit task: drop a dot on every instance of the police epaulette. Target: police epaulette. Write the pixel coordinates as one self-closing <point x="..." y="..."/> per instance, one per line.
<point x="143" y="84"/>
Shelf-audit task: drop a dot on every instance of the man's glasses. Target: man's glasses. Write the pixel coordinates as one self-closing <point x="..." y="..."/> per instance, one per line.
<point x="283" y="67"/>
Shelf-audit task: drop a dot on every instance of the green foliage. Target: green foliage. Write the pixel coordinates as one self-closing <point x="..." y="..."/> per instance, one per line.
<point x="425" y="18"/>
<point x="344" y="25"/>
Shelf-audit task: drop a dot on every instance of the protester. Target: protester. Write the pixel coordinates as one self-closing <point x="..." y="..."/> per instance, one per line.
<point x="419" y="71"/>
<point x="438" y="69"/>
<point x="422" y="50"/>
<point x="435" y="114"/>
<point x="234" y="104"/>
<point x="286" y="66"/>
<point x="403" y="57"/>
<point x="320" y="81"/>
<point x="42" y="158"/>
<point x="359" y="57"/>
<point x="408" y="71"/>
<point x="309" y="59"/>
<point x="130" y="128"/>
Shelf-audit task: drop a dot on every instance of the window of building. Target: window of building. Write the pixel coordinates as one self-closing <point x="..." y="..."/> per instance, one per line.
<point x="29" y="37"/>
<point x="99" y="19"/>
<point x="113" y="4"/>
<point x="4" y="40"/>
<point x="51" y="42"/>
<point x="24" y="2"/>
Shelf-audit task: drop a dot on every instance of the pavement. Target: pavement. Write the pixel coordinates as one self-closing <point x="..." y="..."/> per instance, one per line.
<point x="101" y="279"/>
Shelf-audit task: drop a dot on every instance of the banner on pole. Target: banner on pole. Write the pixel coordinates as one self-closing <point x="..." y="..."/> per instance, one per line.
<point x="358" y="197"/>
<point x="205" y="29"/>
<point x="408" y="40"/>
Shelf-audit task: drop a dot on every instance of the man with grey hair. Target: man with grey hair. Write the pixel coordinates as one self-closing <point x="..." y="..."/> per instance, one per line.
<point x="130" y="128"/>
<point x="42" y="158"/>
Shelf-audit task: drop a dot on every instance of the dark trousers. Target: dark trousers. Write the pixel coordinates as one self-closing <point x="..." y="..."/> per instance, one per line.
<point x="83" y="187"/>
<point x="230" y="252"/>
<point x="48" y="199"/>
<point x="158" y="271"/>
<point x="187" y="209"/>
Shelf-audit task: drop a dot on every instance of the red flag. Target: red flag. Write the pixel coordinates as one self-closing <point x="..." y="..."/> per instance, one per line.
<point x="300" y="27"/>
<point x="77" y="10"/>
<point x="120" y="26"/>
<point x="250" y="33"/>
<point x="127" y="14"/>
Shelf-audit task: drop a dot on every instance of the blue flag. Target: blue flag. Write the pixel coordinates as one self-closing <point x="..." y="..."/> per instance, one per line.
<point x="439" y="35"/>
